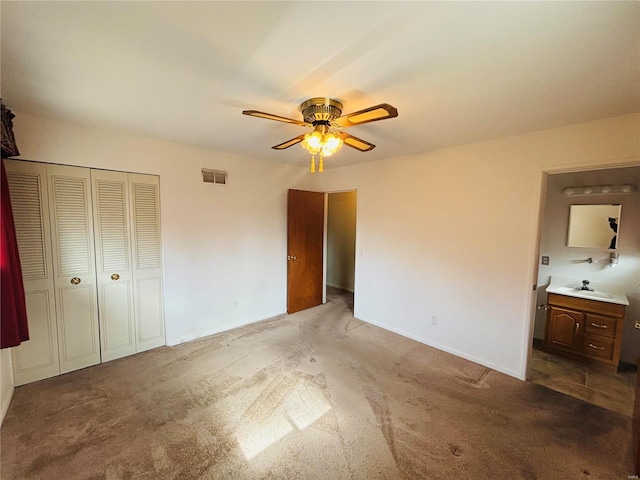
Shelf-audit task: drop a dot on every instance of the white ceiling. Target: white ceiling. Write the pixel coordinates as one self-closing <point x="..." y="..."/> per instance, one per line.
<point x="457" y="72"/>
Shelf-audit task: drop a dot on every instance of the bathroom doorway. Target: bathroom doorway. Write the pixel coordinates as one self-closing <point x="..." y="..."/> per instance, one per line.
<point x="595" y="383"/>
<point x="340" y="242"/>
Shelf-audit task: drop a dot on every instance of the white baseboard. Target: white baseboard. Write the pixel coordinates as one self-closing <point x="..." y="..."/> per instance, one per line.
<point x="340" y="287"/>
<point x="205" y="333"/>
<point x="445" y="348"/>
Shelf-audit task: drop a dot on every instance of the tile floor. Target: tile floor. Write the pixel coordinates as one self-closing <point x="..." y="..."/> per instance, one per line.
<point x="613" y="391"/>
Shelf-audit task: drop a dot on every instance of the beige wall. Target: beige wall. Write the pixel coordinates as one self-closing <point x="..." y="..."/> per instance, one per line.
<point x="341" y="239"/>
<point x="569" y="261"/>
<point x="453" y="233"/>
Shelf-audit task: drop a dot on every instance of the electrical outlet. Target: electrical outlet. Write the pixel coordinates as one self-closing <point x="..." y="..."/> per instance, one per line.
<point x="637" y="325"/>
<point x="235" y="304"/>
<point x="545" y="260"/>
<point x="434" y="320"/>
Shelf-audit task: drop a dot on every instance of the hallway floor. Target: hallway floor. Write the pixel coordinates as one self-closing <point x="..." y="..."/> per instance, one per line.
<point x="613" y="391"/>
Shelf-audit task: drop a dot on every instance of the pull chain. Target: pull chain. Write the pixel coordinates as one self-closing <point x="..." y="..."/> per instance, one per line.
<point x="321" y="164"/>
<point x="313" y="164"/>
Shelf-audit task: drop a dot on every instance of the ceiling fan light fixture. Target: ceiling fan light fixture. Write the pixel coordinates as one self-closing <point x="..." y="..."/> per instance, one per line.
<point x="331" y="144"/>
<point x="321" y="142"/>
<point x="313" y="141"/>
<point x="322" y="113"/>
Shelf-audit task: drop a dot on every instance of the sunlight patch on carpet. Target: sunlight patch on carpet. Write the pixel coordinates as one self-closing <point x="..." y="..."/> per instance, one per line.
<point x="293" y="401"/>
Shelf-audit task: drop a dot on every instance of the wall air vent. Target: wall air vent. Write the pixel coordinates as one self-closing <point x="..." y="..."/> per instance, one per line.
<point x="217" y="177"/>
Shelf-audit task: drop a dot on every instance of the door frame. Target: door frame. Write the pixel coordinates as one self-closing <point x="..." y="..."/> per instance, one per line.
<point x="527" y="349"/>
<point x="324" y="242"/>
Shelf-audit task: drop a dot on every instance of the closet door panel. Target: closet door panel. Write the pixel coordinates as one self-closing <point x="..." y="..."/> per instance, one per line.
<point x="113" y="263"/>
<point x="77" y="304"/>
<point x="116" y="322"/>
<point x="147" y="261"/>
<point x="37" y="358"/>
<point x="151" y="326"/>
<point x="74" y="266"/>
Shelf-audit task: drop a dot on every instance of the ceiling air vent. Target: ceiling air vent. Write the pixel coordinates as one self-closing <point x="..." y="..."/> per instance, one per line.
<point x="214" y="176"/>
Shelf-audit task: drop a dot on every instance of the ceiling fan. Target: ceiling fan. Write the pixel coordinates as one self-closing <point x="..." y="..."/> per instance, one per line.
<point x="322" y="114"/>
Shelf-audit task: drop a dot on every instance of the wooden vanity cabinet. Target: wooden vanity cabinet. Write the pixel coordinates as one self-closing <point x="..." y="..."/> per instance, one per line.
<point x="584" y="329"/>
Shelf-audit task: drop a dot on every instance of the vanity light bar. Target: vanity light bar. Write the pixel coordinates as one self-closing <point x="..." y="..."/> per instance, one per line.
<point x="599" y="190"/>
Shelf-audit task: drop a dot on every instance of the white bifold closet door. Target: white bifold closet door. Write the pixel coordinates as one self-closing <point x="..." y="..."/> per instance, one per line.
<point x="128" y="262"/>
<point x="90" y="248"/>
<point x="37" y="358"/>
<point x="147" y="261"/>
<point x="74" y="266"/>
<point x="113" y="263"/>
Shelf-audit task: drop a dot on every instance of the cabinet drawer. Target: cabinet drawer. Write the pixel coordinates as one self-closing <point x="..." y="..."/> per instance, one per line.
<point x="605" y="326"/>
<point x="597" y="346"/>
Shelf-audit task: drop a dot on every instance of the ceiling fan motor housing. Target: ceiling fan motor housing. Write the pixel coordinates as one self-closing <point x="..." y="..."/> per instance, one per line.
<point x="320" y="110"/>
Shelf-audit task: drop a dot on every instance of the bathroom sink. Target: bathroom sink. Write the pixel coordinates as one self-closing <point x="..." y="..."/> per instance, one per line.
<point x="574" y="291"/>
<point x="602" y="292"/>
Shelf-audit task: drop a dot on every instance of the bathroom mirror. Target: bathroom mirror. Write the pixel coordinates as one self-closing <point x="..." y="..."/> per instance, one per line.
<point x="594" y="226"/>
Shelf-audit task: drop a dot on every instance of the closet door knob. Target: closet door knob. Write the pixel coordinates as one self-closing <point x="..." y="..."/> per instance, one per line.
<point x="75" y="281"/>
<point x="115" y="276"/>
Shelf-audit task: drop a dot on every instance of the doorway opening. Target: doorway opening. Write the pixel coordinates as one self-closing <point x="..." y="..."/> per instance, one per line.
<point x="567" y="365"/>
<point x="340" y="243"/>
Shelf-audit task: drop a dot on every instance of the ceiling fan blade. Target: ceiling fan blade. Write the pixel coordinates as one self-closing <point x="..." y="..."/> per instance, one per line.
<point x="289" y="143"/>
<point x="355" y="142"/>
<point x="277" y="118"/>
<point x="371" y="114"/>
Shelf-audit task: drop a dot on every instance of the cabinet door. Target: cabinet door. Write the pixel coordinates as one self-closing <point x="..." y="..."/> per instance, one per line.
<point x="113" y="263"/>
<point x="147" y="261"/>
<point x="564" y="329"/>
<point x="74" y="266"/>
<point x="37" y="358"/>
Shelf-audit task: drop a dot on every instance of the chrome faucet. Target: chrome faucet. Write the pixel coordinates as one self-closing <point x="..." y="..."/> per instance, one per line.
<point x="585" y="285"/>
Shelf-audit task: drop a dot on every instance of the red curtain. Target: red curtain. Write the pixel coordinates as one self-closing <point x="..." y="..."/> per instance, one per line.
<point x="13" y="322"/>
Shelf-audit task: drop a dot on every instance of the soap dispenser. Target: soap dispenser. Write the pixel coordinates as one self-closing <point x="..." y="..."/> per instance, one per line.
<point x="613" y="259"/>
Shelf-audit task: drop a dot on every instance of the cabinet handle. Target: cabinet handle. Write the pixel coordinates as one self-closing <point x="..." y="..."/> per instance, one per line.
<point x="115" y="276"/>
<point x="598" y="326"/>
<point x="596" y="347"/>
<point x="577" y="327"/>
<point x="75" y="281"/>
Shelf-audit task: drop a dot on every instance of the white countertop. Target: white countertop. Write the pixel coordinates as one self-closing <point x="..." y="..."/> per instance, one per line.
<point x="602" y="292"/>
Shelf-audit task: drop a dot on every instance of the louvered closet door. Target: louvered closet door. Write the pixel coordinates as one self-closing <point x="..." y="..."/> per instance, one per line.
<point x="74" y="266"/>
<point x="147" y="261"/>
<point x="113" y="263"/>
<point x="37" y="358"/>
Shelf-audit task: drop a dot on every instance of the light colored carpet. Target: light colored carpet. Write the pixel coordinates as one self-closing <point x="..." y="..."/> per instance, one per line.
<point x="315" y="395"/>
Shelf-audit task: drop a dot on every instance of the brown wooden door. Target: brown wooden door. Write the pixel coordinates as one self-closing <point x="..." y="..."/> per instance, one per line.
<point x="564" y="329"/>
<point x="305" y="231"/>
